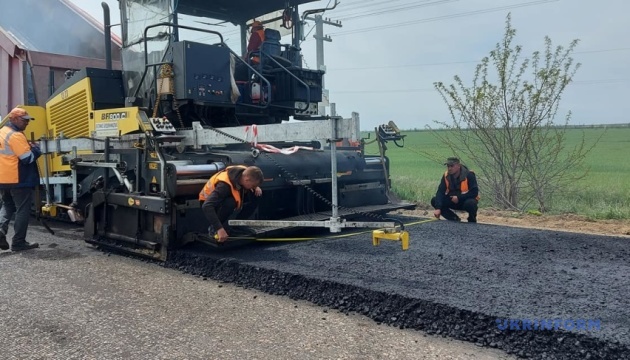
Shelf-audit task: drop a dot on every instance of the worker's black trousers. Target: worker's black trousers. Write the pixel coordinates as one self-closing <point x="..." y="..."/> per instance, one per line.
<point x="470" y="206"/>
<point x="16" y="201"/>
<point x="227" y="210"/>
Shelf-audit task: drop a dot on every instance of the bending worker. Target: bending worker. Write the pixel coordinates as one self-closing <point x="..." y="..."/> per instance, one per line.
<point x="231" y="193"/>
<point x="458" y="190"/>
<point x="18" y="178"/>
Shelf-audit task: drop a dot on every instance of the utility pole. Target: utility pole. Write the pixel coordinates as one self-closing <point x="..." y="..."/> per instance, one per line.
<point x="319" y="48"/>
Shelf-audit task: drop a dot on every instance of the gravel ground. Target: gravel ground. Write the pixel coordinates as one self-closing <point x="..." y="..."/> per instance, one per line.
<point x="67" y="300"/>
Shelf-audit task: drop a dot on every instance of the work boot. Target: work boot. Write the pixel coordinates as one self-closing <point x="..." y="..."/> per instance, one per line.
<point x="4" y="245"/>
<point x="454" y="218"/>
<point x="450" y="215"/>
<point x="24" y="246"/>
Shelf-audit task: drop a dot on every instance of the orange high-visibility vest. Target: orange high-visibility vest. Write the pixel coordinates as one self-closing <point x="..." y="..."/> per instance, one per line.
<point x="13" y="148"/>
<point x="223" y="177"/>
<point x="261" y="33"/>
<point x="463" y="188"/>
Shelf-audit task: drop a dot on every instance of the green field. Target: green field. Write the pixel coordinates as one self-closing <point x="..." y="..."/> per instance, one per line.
<point x="603" y="194"/>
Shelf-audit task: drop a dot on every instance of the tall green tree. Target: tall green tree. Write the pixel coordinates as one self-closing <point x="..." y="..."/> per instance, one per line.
<point x="505" y="123"/>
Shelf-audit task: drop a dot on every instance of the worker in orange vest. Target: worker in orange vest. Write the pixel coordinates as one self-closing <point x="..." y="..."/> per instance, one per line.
<point x="256" y="39"/>
<point x="232" y="192"/>
<point x="458" y="190"/>
<point x="18" y="178"/>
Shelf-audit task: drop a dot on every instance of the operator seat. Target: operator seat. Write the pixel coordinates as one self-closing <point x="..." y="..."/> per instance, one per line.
<point x="271" y="47"/>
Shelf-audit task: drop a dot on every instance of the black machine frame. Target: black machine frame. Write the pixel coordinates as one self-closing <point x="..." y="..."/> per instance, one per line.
<point x="137" y="194"/>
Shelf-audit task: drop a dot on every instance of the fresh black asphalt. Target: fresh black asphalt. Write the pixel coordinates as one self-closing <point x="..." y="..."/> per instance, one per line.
<point x="457" y="279"/>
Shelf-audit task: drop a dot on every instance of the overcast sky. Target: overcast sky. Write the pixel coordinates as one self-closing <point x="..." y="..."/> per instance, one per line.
<point x="383" y="64"/>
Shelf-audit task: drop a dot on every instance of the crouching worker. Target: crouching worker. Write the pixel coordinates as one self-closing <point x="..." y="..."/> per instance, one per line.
<point x="231" y="193"/>
<point x="458" y="190"/>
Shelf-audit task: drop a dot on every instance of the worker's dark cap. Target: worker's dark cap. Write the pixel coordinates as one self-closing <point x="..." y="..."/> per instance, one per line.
<point x="451" y="161"/>
<point x="20" y="113"/>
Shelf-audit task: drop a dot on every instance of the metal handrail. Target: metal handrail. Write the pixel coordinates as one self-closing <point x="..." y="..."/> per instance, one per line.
<point x="146" y="53"/>
<point x="236" y="56"/>
<point x="222" y="43"/>
<point x="308" y="89"/>
<point x="146" y="29"/>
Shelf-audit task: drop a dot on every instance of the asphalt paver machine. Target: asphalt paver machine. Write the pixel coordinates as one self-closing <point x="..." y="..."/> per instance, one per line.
<point x="127" y="151"/>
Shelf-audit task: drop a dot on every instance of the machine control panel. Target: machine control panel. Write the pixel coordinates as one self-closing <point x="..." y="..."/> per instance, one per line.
<point x="206" y="90"/>
<point x="162" y="125"/>
<point x="205" y="72"/>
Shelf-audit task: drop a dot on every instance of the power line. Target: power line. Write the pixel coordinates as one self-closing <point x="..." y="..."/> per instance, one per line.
<point x="455" y="62"/>
<point x="405" y="7"/>
<point x="311" y="30"/>
<point x="363" y="2"/>
<point x="351" y="12"/>
<point x="602" y="81"/>
<point x="391" y="9"/>
<point x="444" y="17"/>
<point x="580" y="82"/>
<point x="307" y="34"/>
<point x="382" y="91"/>
<point x="600" y="51"/>
<point x="342" y="10"/>
<point x="404" y="66"/>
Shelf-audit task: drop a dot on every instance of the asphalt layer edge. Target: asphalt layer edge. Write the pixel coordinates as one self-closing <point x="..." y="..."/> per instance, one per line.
<point x="393" y="309"/>
<point x="399" y="311"/>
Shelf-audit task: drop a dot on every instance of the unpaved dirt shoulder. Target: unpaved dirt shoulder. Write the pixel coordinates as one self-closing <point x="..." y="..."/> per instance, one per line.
<point x="567" y="222"/>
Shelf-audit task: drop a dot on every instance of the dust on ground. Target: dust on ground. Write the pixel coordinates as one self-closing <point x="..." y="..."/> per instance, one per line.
<point x="565" y="222"/>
